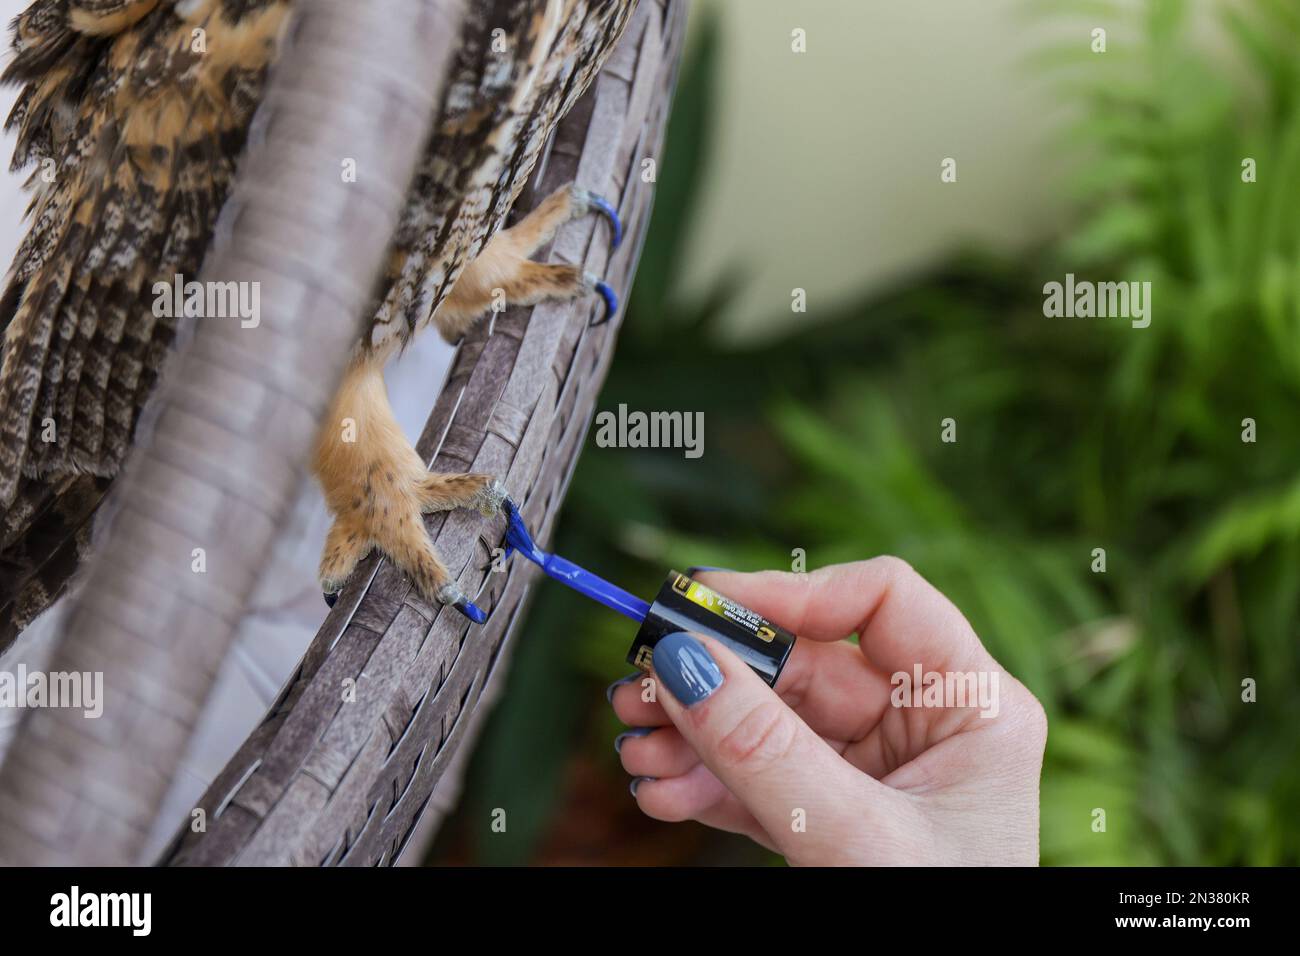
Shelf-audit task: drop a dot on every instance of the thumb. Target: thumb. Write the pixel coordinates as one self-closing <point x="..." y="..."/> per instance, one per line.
<point x="808" y="799"/>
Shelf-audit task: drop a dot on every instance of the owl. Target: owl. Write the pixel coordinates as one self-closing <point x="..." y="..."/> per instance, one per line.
<point x="132" y="117"/>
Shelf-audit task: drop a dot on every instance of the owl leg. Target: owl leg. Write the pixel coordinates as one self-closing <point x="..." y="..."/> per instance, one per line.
<point x="565" y="204"/>
<point x="503" y="275"/>
<point x="377" y="488"/>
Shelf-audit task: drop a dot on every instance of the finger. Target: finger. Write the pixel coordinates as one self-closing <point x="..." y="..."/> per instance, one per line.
<point x="899" y="617"/>
<point x="907" y="631"/>
<point x="684" y="797"/>
<point x="831" y="686"/>
<point x="700" y="796"/>
<point x="661" y="753"/>
<point x="761" y="751"/>
<point x="636" y="704"/>
<point x="730" y="815"/>
<point x="834" y="689"/>
<point x="838" y="690"/>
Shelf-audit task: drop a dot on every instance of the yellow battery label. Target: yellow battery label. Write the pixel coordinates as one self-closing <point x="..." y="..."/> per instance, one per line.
<point x="686" y="605"/>
<point x="711" y="600"/>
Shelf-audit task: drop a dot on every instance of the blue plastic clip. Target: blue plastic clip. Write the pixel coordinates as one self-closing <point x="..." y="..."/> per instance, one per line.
<point x="566" y="572"/>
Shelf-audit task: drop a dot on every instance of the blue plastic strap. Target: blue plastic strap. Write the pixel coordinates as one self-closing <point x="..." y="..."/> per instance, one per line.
<point x="566" y="572"/>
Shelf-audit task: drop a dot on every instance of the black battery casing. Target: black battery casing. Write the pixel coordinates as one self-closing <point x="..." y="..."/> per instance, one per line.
<point x="684" y="604"/>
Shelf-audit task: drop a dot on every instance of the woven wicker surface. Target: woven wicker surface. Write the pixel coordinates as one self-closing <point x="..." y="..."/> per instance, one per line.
<point x="392" y="689"/>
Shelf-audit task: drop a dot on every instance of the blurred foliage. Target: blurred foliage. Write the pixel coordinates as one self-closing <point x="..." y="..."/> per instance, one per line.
<point x="1073" y="434"/>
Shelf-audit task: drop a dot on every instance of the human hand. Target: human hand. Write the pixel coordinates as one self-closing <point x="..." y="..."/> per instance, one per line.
<point x="826" y="769"/>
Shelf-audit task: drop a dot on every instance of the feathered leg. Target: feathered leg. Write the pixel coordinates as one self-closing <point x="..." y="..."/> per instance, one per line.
<point x="503" y="275"/>
<point x="378" y="487"/>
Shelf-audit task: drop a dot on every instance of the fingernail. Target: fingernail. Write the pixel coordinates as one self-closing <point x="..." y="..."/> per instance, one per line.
<point x="686" y="668"/>
<point x="637" y="781"/>
<point x="609" y="691"/>
<point x="697" y="569"/>
<point x="634" y="732"/>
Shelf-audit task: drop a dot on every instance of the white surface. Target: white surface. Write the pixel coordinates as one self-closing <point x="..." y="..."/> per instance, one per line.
<point x="288" y="607"/>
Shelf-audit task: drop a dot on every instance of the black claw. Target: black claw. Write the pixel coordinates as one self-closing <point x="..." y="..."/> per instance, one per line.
<point x="331" y="598"/>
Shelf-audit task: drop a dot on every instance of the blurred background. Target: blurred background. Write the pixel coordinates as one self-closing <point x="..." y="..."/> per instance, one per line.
<point x="821" y="171"/>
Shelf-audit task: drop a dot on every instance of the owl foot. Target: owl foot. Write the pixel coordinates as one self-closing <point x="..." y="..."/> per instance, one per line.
<point x="386" y="514"/>
<point x="588" y="201"/>
<point x="581" y="203"/>
<point x="503" y="275"/>
<point x="564" y="205"/>
<point x="378" y="488"/>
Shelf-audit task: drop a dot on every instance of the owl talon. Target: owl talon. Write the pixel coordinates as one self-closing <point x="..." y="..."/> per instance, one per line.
<point x="603" y="206"/>
<point x="331" y="597"/>
<point x="608" y="294"/>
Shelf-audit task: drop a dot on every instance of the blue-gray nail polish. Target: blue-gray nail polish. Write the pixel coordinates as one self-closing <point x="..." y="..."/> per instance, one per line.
<point x="699" y="569"/>
<point x="634" y="732"/>
<point x="609" y="691"/>
<point x="637" y="781"/>
<point x="685" y="668"/>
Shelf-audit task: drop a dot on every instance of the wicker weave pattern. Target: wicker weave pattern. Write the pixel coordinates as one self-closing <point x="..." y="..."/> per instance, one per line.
<point x="324" y="781"/>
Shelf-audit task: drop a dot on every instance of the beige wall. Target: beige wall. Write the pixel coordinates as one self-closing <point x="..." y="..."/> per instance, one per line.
<point x="825" y="166"/>
<point x="825" y="169"/>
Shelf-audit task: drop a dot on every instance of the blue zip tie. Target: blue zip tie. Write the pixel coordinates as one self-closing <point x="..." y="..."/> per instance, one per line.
<point x="566" y="572"/>
<point x="471" y="611"/>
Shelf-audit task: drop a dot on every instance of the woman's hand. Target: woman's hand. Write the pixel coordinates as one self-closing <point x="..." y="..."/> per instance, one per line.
<point x="831" y="767"/>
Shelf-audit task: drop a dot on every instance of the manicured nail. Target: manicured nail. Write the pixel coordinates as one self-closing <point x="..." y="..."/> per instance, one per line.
<point x="637" y="781"/>
<point x="697" y="569"/>
<point x="686" y="668"/>
<point x="634" y="732"/>
<point x="609" y="691"/>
